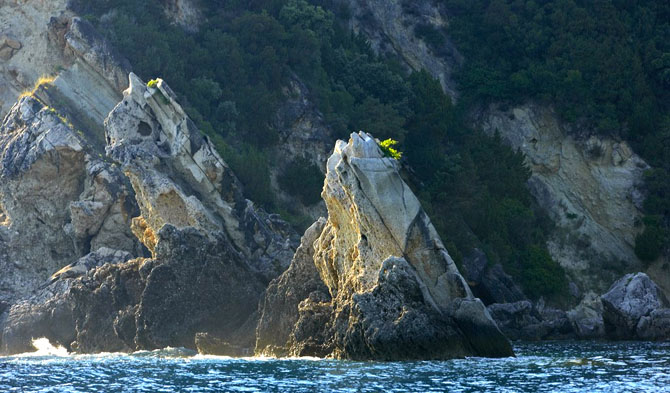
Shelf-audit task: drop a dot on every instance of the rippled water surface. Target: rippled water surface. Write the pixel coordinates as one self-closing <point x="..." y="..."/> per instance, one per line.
<point x="538" y="367"/>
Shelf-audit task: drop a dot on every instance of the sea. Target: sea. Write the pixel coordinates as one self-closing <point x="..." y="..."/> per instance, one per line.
<point x="584" y="366"/>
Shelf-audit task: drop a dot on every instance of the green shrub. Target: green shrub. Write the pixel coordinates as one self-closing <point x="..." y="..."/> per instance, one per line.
<point x="540" y="274"/>
<point x="251" y="167"/>
<point x="388" y="150"/>
<point x="649" y="244"/>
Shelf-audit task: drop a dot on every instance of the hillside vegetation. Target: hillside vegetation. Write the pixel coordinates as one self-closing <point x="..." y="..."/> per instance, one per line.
<point x="604" y="65"/>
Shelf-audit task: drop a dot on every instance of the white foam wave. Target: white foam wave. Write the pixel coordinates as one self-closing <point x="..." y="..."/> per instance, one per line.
<point x="43" y="347"/>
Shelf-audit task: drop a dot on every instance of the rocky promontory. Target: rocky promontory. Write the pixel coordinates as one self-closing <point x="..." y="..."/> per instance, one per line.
<point x="374" y="280"/>
<point x="148" y="245"/>
<point x="153" y="245"/>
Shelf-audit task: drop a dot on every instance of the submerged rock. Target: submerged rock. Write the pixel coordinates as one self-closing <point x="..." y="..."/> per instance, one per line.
<point x="393" y="292"/>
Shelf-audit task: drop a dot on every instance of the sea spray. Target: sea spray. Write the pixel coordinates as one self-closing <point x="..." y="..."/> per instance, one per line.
<point x="43" y="347"/>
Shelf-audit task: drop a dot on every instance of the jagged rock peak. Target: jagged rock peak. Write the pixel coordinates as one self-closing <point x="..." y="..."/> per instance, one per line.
<point x="390" y="289"/>
<point x="180" y="179"/>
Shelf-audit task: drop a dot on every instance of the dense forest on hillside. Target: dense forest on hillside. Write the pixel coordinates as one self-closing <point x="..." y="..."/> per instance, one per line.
<point x="230" y="75"/>
<point x="604" y="65"/>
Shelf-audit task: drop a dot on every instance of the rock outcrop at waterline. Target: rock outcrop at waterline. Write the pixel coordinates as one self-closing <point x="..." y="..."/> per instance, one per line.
<point x="212" y="253"/>
<point x="636" y="308"/>
<point x="374" y="281"/>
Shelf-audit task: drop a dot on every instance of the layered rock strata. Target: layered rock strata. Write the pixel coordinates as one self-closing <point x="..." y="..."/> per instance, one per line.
<point x="59" y="199"/>
<point x="589" y="187"/>
<point x="377" y="282"/>
<point x="212" y="252"/>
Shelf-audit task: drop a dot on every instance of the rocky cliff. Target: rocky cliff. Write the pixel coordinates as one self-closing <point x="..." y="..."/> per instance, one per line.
<point x="589" y="186"/>
<point x="373" y="281"/>
<point x="391" y="28"/>
<point x="162" y="184"/>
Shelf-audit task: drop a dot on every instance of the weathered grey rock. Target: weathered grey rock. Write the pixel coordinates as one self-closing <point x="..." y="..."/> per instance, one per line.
<point x="212" y="251"/>
<point x="86" y="263"/>
<point x="392" y="286"/>
<point x="197" y="283"/>
<point x="48" y="314"/>
<point x="389" y="26"/>
<point x="58" y="202"/>
<point x="180" y="179"/>
<point x="629" y="299"/>
<point x="588" y="186"/>
<point x="512" y="318"/>
<point x="655" y="326"/>
<point x="524" y="320"/>
<point x="587" y="318"/>
<point x="279" y="306"/>
<point x="303" y="134"/>
<point x="52" y="312"/>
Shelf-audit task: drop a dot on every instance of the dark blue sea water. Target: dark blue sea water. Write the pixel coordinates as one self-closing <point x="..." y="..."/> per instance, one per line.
<point x="538" y="367"/>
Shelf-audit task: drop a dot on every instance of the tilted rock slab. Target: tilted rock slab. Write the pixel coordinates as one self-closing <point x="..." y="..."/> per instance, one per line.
<point x="389" y="289"/>
<point x="180" y="179"/>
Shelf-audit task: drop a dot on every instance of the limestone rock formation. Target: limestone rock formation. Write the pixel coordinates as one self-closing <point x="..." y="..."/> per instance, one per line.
<point x="529" y="321"/>
<point x="51" y="312"/>
<point x="212" y="252"/>
<point x="21" y="67"/>
<point x="393" y="292"/>
<point x="589" y="188"/>
<point x="180" y="179"/>
<point x="636" y="308"/>
<point x="59" y="200"/>
<point x="587" y="317"/>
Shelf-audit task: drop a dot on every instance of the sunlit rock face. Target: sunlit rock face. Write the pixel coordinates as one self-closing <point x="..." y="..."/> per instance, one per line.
<point x="180" y="179"/>
<point x="388" y="288"/>
<point x="212" y="252"/>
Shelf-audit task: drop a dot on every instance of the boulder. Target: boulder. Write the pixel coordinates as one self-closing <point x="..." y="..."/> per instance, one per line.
<point x="587" y="318"/>
<point x="393" y="291"/>
<point x="629" y="299"/>
<point x="524" y="320"/>
<point x="655" y="326"/>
